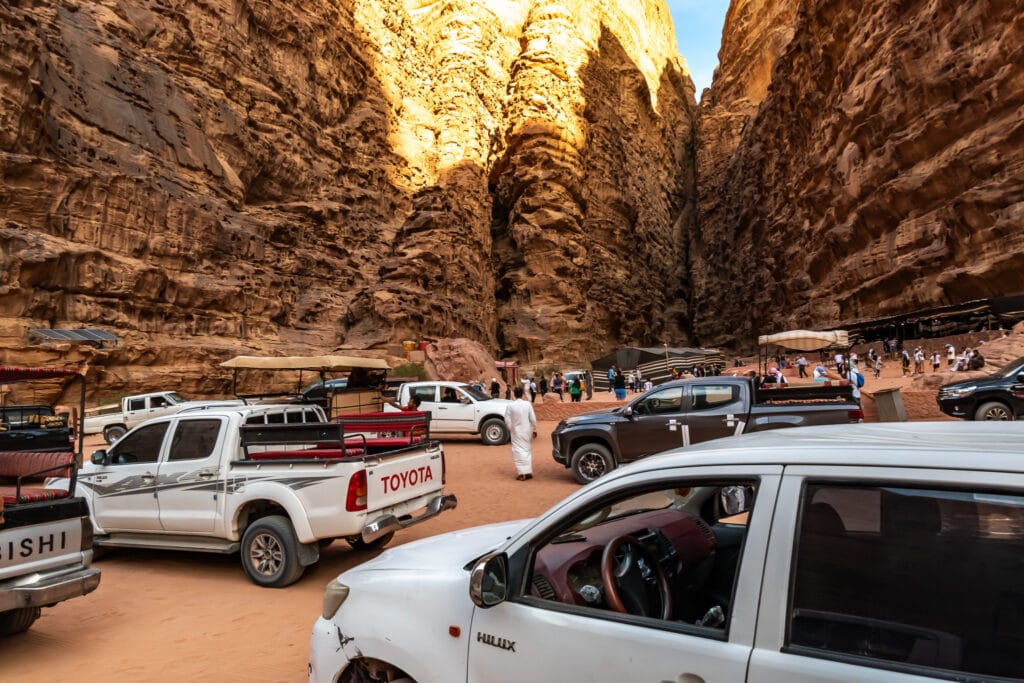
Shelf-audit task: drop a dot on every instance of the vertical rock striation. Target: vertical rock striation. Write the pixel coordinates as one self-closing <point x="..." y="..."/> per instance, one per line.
<point x="859" y="159"/>
<point x="206" y="178"/>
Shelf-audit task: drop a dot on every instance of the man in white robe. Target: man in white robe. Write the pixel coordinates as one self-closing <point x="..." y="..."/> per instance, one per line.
<point x="522" y="428"/>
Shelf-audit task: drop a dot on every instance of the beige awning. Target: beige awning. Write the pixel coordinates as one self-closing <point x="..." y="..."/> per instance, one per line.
<point x="806" y="340"/>
<point x="322" y="363"/>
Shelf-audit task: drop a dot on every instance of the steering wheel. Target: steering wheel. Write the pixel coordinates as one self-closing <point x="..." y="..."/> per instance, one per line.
<point x="627" y="567"/>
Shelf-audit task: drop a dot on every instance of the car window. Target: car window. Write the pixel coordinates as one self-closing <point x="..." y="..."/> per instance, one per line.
<point x="275" y="418"/>
<point x="668" y="400"/>
<point x="911" y="577"/>
<point x="158" y="402"/>
<point x="427" y="393"/>
<point x="142" y="445"/>
<point x="137" y="404"/>
<point x="661" y="555"/>
<point x="194" y="439"/>
<point x="707" y="396"/>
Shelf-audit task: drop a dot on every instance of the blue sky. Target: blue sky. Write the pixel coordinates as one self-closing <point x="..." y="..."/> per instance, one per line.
<point x="699" y="33"/>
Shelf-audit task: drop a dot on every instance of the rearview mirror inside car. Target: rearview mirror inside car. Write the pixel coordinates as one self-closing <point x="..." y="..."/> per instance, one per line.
<point x="488" y="583"/>
<point x="99" y="457"/>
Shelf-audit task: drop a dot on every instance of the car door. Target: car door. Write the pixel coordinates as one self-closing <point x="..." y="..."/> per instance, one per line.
<point x="430" y="402"/>
<point x="715" y="410"/>
<point x="189" y="486"/>
<point x="456" y="411"/>
<point x="657" y="424"/>
<point x="547" y="631"/>
<point x="893" y="575"/>
<point x="124" y="489"/>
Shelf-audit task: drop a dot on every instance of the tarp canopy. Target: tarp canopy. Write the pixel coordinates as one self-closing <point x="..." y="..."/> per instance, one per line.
<point x="806" y="340"/>
<point x="320" y="363"/>
<point x="10" y="375"/>
<point x="630" y="357"/>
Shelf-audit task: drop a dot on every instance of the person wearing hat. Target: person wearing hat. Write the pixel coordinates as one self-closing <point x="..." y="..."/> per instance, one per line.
<point x="775" y="377"/>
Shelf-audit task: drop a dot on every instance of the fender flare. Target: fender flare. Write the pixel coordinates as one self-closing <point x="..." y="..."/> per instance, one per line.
<point x="603" y="434"/>
<point x="272" y="493"/>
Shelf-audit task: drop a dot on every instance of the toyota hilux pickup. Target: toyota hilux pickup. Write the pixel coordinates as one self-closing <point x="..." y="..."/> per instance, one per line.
<point x="45" y="533"/>
<point x="1000" y="396"/>
<point x="457" y="408"/>
<point x="889" y="553"/>
<point x="686" y="412"/>
<point x="269" y="482"/>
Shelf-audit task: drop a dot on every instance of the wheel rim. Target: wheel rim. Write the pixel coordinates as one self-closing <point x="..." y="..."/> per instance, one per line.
<point x="997" y="413"/>
<point x="115" y="434"/>
<point x="266" y="554"/>
<point x="494" y="433"/>
<point x="591" y="465"/>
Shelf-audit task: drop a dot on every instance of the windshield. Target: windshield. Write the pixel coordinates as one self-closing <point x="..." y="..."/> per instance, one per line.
<point x="1011" y="369"/>
<point x="176" y="397"/>
<point x="475" y="393"/>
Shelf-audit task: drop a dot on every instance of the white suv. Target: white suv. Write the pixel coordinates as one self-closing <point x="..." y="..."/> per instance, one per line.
<point x="889" y="553"/>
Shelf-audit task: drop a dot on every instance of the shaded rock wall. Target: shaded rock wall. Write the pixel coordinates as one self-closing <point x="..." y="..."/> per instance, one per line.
<point x="208" y="178"/>
<point x="878" y="169"/>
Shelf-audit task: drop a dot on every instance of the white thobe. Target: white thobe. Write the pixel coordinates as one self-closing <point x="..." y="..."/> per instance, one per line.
<point x="522" y="423"/>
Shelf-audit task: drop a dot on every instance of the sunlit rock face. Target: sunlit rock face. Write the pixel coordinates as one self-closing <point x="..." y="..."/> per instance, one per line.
<point x="858" y="159"/>
<point x="203" y="178"/>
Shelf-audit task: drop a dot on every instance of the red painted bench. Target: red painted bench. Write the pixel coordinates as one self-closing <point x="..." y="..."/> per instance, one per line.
<point x="29" y="469"/>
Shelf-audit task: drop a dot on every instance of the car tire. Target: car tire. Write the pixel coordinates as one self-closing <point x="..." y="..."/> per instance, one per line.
<point x="493" y="432"/>
<point x="114" y="432"/>
<point x="270" y="552"/>
<point x="591" y="461"/>
<point x="993" y="410"/>
<point x="358" y="543"/>
<point x="17" y="620"/>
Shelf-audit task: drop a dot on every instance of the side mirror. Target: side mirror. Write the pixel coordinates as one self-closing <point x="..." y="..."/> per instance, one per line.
<point x="488" y="582"/>
<point x="628" y="411"/>
<point x="99" y="457"/>
<point x="1020" y="377"/>
<point x="736" y="500"/>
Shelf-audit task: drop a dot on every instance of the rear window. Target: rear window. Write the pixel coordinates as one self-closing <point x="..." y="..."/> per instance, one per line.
<point x="911" y="578"/>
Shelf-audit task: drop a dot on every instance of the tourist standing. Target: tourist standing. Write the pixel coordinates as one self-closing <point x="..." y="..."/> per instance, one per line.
<point x="558" y="385"/>
<point x="950" y="356"/>
<point x="936" y="361"/>
<point x="495" y="388"/>
<point x="801" y="365"/>
<point x="611" y="378"/>
<point x="576" y="389"/>
<point x="620" y="385"/>
<point x="905" y="362"/>
<point x="522" y="428"/>
<point x="639" y="379"/>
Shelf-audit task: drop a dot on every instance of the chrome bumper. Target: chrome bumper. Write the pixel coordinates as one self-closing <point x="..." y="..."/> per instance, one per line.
<point x="388" y="523"/>
<point x="40" y="589"/>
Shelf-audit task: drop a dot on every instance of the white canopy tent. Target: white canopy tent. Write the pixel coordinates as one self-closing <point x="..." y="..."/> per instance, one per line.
<point x="806" y="340"/>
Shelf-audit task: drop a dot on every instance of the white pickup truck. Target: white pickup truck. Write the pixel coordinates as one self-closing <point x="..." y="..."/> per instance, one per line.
<point x="457" y="408"/>
<point x="114" y="419"/>
<point x="838" y="554"/>
<point x="270" y="481"/>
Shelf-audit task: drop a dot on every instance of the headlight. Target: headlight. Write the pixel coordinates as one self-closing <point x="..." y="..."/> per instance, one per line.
<point x="334" y="595"/>
<point x="959" y="393"/>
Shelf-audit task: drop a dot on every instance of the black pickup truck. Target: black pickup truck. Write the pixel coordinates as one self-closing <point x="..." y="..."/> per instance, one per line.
<point x="34" y="428"/>
<point x="686" y="412"/>
<point x="1000" y="396"/>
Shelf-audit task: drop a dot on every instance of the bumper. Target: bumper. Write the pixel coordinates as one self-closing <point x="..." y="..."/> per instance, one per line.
<point x="327" y="657"/>
<point x="956" y="407"/>
<point x="389" y="523"/>
<point x="41" y="589"/>
<point x="556" y="451"/>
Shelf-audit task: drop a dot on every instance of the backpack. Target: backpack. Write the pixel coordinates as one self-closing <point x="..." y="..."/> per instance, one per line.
<point x="859" y="379"/>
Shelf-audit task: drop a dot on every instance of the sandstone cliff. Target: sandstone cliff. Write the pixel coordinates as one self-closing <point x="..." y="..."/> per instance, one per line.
<point x="208" y="178"/>
<point x="858" y="159"/>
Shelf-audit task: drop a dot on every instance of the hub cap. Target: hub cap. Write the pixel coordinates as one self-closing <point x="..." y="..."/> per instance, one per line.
<point x="591" y="466"/>
<point x="266" y="554"/>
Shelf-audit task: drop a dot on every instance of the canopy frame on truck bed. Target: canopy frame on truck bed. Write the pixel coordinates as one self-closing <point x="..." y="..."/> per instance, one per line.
<point x="13" y="375"/>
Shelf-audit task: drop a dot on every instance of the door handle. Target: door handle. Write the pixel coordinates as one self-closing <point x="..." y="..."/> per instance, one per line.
<point x="148" y="478"/>
<point x="206" y="475"/>
<point x="690" y="678"/>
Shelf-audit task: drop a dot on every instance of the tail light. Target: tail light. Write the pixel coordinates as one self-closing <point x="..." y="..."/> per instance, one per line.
<point x="444" y="470"/>
<point x="355" y="501"/>
<point x="856" y="415"/>
<point x="86" y="534"/>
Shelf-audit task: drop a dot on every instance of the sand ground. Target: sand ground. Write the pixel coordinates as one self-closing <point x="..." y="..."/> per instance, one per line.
<point x="160" y="616"/>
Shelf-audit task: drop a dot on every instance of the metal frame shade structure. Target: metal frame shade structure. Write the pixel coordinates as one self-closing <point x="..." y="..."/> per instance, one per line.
<point x="800" y="340"/>
<point x="17" y="375"/>
<point x="320" y="364"/>
<point x="84" y="335"/>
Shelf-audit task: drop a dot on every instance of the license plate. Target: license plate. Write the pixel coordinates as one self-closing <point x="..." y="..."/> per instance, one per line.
<point x="31" y="543"/>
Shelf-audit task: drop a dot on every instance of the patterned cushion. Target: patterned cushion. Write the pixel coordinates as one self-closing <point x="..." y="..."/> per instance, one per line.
<point x="29" y="494"/>
<point x="14" y="464"/>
